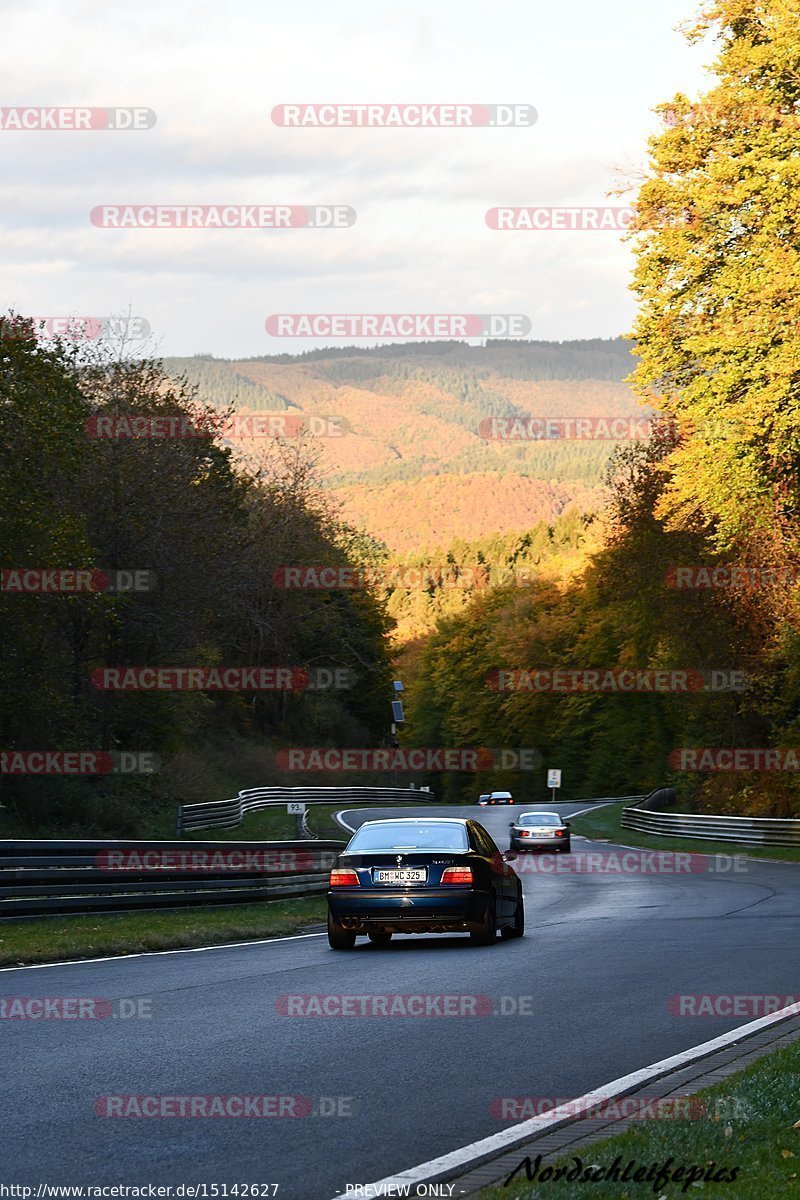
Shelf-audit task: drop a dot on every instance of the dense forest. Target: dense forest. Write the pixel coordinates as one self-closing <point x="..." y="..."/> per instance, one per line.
<point x="208" y="538"/>
<point x="620" y="612"/>
<point x="423" y="587"/>
<point x="713" y="496"/>
<point x="415" y="466"/>
<point x="592" y="358"/>
<point x="676" y="552"/>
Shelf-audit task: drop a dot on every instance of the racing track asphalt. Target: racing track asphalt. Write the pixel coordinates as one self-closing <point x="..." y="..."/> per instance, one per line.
<point x="603" y="954"/>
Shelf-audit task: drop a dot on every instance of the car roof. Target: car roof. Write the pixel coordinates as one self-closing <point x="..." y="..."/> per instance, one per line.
<point x="416" y="820"/>
<point x="538" y="813"/>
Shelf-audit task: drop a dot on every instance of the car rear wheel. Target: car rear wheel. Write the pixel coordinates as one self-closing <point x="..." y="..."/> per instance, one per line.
<point x="380" y="937"/>
<point x="486" y="933"/>
<point x="518" y="928"/>
<point x="340" y="938"/>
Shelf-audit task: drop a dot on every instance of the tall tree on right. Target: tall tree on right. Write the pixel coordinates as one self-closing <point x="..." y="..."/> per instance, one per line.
<point x="717" y="243"/>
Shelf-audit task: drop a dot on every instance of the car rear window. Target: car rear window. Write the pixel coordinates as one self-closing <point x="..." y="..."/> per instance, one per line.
<point x="539" y="819"/>
<point x="391" y="835"/>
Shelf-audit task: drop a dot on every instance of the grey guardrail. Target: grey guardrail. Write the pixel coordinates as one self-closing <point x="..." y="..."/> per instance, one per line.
<point x="747" y="831"/>
<point x="607" y="799"/>
<point x="51" y="877"/>
<point x="226" y="814"/>
<point x="48" y="877"/>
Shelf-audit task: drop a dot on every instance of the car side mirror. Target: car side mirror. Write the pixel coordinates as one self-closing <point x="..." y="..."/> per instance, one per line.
<point x="510" y="823"/>
<point x="568" y="824"/>
<point x="510" y="855"/>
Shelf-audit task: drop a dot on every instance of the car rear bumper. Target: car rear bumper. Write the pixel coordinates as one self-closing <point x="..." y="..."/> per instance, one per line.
<point x="440" y="909"/>
<point x="550" y="844"/>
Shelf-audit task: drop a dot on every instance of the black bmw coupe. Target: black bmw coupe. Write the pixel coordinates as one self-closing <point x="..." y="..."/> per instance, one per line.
<point x="416" y="875"/>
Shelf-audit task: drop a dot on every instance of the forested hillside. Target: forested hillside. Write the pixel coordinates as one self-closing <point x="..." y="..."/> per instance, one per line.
<point x="672" y="553"/>
<point x="700" y="567"/>
<point x="207" y="539"/>
<point x="413" y="465"/>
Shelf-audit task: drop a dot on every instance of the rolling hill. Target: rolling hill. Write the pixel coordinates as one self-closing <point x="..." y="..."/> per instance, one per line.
<point x="411" y="466"/>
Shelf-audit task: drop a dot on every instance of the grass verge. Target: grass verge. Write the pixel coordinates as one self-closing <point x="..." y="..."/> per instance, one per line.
<point x="605" y="823"/>
<point x="53" y="939"/>
<point x="751" y="1130"/>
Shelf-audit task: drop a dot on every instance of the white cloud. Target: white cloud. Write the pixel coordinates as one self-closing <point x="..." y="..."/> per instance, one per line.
<point x="213" y="75"/>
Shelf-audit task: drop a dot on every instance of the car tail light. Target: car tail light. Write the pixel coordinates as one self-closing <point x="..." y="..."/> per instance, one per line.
<point x="344" y="878"/>
<point x="457" y="875"/>
<point x="525" y="833"/>
<point x="561" y="832"/>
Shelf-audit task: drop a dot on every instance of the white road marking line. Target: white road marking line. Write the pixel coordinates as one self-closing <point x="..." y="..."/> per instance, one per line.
<point x="476" y="1153"/>
<point x="785" y="862"/>
<point x="593" y="808"/>
<point x="84" y="962"/>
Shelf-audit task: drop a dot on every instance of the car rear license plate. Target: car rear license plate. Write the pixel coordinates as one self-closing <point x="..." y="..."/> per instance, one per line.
<point x="544" y="833"/>
<point x="399" y="875"/>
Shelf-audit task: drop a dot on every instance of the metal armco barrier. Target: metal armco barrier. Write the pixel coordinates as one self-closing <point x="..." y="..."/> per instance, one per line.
<point x="225" y="814"/>
<point x="747" y="831"/>
<point x="54" y="877"/>
<point x="50" y="877"/>
<point x="658" y="800"/>
<point x="606" y="799"/>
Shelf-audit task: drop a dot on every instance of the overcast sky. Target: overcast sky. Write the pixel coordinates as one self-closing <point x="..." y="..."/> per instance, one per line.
<point x="214" y="72"/>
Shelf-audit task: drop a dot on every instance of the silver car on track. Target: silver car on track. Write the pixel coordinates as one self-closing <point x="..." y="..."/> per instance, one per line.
<point x="540" y="831"/>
